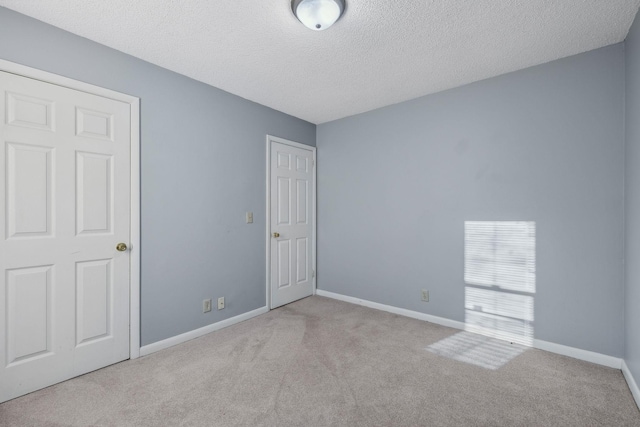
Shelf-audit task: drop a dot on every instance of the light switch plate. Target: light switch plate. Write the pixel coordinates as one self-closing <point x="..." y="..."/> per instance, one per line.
<point x="220" y="303"/>
<point x="249" y="217"/>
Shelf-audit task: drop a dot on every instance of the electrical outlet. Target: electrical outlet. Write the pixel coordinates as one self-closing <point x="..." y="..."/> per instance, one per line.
<point x="220" y="303"/>
<point x="425" y="295"/>
<point x="206" y="305"/>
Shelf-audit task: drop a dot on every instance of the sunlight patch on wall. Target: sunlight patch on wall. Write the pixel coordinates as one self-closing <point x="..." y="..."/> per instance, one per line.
<point x="500" y="278"/>
<point x="488" y="353"/>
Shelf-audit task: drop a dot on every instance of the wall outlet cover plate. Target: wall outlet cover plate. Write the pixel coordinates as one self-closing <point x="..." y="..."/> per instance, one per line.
<point x="425" y="295"/>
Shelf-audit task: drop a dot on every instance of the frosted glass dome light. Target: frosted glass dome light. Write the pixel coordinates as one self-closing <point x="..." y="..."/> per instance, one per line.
<point x="318" y="15"/>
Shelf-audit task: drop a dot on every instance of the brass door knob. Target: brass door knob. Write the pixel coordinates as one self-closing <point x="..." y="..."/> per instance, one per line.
<point x="121" y="247"/>
<point x="276" y="234"/>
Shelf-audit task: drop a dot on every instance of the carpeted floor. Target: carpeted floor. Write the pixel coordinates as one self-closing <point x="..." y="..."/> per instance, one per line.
<point x="322" y="362"/>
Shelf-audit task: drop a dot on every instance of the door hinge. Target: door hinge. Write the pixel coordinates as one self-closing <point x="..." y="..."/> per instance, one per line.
<point x="313" y="273"/>
<point x="313" y="163"/>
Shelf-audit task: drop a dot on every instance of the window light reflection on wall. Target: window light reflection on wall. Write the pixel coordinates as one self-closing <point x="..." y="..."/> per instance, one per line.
<point x="500" y="279"/>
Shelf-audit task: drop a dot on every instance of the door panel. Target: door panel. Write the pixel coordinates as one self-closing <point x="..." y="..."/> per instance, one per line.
<point x="302" y="245"/>
<point x="283" y="256"/>
<point x="94" y="193"/>
<point x="292" y="219"/>
<point x="65" y="188"/>
<point x="284" y="200"/>
<point x="94" y="302"/>
<point x="29" y="112"/>
<point x="28" y="313"/>
<point x="29" y="178"/>
<point x="302" y="207"/>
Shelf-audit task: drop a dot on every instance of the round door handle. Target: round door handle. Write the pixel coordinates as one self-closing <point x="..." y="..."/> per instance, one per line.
<point x="121" y="247"/>
<point x="276" y="234"/>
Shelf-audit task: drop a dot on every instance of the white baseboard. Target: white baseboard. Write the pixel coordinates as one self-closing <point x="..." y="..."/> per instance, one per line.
<point x="187" y="336"/>
<point x="633" y="386"/>
<point x="395" y="310"/>
<point x="576" y="353"/>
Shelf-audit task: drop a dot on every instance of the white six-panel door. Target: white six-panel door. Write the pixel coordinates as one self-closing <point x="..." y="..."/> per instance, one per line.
<point x="291" y="222"/>
<point x="65" y="204"/>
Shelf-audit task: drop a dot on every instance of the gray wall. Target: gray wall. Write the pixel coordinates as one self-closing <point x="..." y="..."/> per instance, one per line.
<point x="632" y="212"/>
<point x="545" y="144"/>
<point x="395" y="186"/>
<point x="203" y="166"/>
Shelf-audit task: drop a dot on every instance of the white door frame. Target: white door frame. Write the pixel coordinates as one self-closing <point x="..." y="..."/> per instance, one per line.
<point x="313" y="211"/>
<point x="134" y="239"/>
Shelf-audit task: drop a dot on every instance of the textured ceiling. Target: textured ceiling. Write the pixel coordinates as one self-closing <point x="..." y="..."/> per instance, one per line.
<point x="379" y="53"/>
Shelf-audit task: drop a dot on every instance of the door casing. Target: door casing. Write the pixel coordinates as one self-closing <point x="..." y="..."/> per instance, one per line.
<point x="134" y="238"/>
<point x="313" y="150"/>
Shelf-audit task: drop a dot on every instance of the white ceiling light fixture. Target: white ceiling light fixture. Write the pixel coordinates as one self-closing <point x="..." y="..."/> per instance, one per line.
<point x="318" y="15"/>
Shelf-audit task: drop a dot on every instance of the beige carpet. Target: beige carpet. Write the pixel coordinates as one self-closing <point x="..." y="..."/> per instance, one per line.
<point x="322" y="362"/>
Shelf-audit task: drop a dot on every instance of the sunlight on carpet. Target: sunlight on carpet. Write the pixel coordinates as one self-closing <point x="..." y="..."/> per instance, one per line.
<point x="479" y="350"/>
